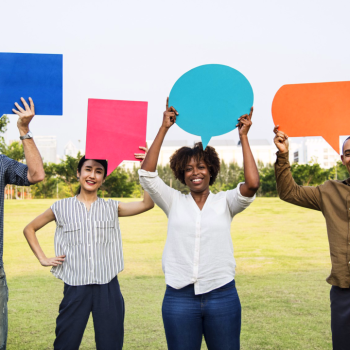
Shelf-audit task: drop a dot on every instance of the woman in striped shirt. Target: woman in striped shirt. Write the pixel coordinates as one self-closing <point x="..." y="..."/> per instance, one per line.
<point x="89" y="256"/>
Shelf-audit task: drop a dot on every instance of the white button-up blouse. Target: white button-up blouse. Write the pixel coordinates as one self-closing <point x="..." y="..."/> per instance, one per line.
<point x="198" y="248"/>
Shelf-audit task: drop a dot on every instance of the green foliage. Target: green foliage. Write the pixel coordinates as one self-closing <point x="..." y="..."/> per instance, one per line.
<point x="338" y="172"/>
<point x="229" y="177"/>
<point x="67" y="172"/>
<point x="4" y="120"/>
<point x="48" y="187"/>
<point x="267" y="181"/>
<point x="117" y="184"/>
<point x="167" y="175"/>
<point x="309" y="174"/>
<point x="14" y="150"/>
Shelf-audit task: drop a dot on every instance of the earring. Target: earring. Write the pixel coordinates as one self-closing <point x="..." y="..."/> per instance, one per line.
<point x="78" y="178"/>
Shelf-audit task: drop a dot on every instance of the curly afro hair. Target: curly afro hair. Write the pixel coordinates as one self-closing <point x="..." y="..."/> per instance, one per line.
<point x="181" y="157"/>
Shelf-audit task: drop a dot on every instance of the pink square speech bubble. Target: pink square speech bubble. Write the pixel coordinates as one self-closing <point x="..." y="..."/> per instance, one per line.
<point x="115" y="130"/>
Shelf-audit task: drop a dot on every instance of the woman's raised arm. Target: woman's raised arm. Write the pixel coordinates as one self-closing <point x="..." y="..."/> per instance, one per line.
<point x="169" y="119"/>
<point x="251" y="174"/>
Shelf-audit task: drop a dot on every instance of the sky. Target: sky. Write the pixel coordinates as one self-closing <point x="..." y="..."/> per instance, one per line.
<point x="136" y="50"/>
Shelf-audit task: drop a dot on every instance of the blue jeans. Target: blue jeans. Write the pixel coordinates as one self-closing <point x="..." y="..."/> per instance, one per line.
<point x="4" y="295"/>
<point x="216" y="315"/>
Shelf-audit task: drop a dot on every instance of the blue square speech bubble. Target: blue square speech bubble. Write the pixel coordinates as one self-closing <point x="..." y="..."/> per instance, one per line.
<point x="38" y="76"/>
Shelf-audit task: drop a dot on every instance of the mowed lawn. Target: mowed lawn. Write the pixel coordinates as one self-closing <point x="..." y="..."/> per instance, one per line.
<point x="282" y="262"/>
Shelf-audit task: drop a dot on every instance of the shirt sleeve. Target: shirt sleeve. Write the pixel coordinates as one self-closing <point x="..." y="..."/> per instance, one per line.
<point x="55" y="209"/>
<point x="289" y="191"/>
<point x="236" y="201"/>
<point x="114" y="205"/>
<point x="15" y="172"/>
<point x="160" y="193"/>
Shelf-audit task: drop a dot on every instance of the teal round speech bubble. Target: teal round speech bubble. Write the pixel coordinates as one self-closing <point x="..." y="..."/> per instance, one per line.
<point x="210" y="99"/>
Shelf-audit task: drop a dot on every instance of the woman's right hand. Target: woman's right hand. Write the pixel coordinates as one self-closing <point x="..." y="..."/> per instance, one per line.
<point x="57" y="260"/>
<point x="281" y="140"/>
<point x="169" y="115"/>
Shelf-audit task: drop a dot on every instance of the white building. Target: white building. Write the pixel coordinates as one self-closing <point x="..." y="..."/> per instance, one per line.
<point x="313" y="150"/>
<point x="47" y="146"/>
<point x="262" y="151"/>
<point x="71" y="150"/>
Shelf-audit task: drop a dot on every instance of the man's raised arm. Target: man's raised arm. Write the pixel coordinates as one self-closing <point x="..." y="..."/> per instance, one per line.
<point x="288" y="190"/>
<point x="33" y="159"/>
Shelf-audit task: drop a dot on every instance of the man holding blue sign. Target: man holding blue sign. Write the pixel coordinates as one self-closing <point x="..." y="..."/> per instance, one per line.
<point x="15" y="173"/>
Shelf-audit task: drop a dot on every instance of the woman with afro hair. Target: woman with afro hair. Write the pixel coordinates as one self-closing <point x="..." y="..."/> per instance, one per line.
<point x="198" y="262"/>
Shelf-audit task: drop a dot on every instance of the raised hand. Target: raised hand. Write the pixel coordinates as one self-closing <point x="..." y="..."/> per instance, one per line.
<point x="25" y="116"/>
<point x="57" y="260"/>
<point x="142" y="155"/>
<point x="281" y="140"/>
<point x="169" y="115"/>
<point x="244" y="123"/>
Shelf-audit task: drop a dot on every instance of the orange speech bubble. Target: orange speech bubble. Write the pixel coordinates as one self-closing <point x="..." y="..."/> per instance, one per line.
<point x="317" y="109"/>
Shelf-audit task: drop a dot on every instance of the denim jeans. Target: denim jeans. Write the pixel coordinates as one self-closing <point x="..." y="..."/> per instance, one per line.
<point x="216" y="315"/>
<point x="3" y="309"/>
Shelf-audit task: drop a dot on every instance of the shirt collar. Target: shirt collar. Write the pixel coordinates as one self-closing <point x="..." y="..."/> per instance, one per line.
<point x="346" y="182"/>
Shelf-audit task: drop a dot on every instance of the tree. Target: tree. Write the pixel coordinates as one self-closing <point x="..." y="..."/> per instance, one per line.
<point x="46" y="188"/>
<point x="338" y="172"/>
<point x="14" y="150"/>
<point x="67" y="172"/>
<point x="267" y="181"/>
<point x="117" y="184"/>
<point x="4" y="120"/>
<point x="228" y="177"/>
<point x="309" y="174"/>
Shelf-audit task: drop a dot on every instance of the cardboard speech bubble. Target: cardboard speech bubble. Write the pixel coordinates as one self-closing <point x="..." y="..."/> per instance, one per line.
<point x="38" y="76"/>
<point x="315" y="109"/>
<point x="115" y="130"/>
<point x="210" y="99"/>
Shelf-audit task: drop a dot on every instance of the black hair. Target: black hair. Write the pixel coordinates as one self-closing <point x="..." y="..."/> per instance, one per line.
<point x="181" y="157"/>
<point x="82" y="160"/>
<point x="348" y="138"/>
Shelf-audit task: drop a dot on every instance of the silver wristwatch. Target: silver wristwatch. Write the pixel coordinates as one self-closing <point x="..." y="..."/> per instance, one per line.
<point x="28" y="135"/>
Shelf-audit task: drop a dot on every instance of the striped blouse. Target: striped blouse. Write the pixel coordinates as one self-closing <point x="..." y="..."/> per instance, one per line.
<point x="91" y="241"/>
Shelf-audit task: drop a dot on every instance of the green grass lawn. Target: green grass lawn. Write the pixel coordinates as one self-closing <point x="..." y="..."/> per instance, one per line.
<point x="282" y="262"/>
